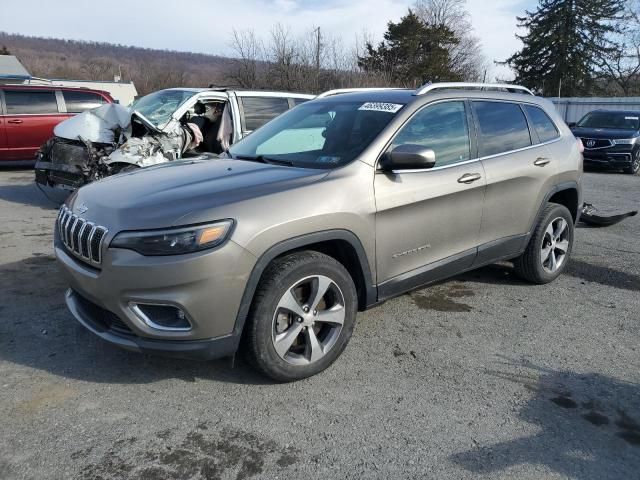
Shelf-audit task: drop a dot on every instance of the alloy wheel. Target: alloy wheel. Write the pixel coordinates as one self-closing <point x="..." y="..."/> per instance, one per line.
<point x="308" y="320"/>
<point x="555" y="245"/>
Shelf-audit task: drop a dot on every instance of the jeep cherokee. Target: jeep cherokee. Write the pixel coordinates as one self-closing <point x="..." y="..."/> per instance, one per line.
<point x="337" y="205"/>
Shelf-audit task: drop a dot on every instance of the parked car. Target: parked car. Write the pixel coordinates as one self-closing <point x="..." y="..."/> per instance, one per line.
<point x="333" y="207"/>
<point x="28" y="115"/>
<point x="610" y="139"/>
<point x="159" y="127"/>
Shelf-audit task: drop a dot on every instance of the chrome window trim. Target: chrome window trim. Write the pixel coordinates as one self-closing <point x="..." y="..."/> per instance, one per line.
<point x="134" y="306"/>
<point x="479" y="159"/>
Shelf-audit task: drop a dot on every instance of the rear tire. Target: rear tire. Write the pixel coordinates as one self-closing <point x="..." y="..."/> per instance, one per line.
<point x="302" y="316"/>
<point x="549" y="248"/>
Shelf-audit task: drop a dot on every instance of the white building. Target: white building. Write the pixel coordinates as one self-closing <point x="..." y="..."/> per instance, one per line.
<point x="12" y="71"/>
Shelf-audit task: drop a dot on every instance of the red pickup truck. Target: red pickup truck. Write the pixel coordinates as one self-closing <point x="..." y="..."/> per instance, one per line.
<point x="28" y="114"/>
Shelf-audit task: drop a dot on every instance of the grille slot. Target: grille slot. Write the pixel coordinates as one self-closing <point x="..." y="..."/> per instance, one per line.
<point x="82" y="238"/>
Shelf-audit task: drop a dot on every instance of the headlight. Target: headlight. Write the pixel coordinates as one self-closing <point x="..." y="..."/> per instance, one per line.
<point x="174" y="241"/>
<point x="625" y="141"/>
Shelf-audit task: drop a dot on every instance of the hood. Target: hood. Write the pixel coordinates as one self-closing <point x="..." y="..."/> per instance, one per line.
<point x="603" y="133"/>
<point x="161" y="196"/>
<point x="98" y="125"/>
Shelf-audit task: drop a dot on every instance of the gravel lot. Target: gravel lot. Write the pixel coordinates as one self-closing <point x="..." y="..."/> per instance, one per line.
<point x="482" y="376"/>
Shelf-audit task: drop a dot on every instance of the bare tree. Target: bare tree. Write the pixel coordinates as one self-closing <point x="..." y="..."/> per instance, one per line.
<point x="249" y="52"/>
<point x="466" y="56"/>
<point x="620" y="68"/>
<point x="99" y="69"/>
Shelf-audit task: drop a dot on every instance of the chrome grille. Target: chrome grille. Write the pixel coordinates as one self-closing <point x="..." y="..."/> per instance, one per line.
<point x="596" y="143"/>
<point x="82" y="238"/>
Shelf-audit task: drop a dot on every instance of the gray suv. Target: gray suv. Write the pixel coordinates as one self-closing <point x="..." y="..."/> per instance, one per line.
<point x="332" y="208"/>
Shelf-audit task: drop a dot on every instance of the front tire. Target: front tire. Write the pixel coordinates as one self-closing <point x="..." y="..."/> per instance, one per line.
<point x="549" y="247"/>
<point x="302" y="316"/>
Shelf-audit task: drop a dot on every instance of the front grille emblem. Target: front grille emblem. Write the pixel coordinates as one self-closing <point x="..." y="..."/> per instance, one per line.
<point x="82" y="208"/>
<point x="82" y="238"/>
<point x="590" y="143"/>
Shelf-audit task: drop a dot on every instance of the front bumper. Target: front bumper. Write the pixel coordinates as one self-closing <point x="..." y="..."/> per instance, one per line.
<point x="194" y="350"/>
<point x="608" y="159"/>
<point x="56" y="175"/>
<point x="207" y="286"/>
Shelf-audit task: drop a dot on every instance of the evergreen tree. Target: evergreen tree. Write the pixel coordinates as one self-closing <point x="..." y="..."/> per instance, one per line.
<point x="564" y="41"/>
<point x="412" y="53"/>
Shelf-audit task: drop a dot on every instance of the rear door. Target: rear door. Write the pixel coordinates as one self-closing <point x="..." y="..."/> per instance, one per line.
<point x="30" y="117"/>
<point x="518" y="169"/>
<point x="428" y="220"/>
<point x="4" y="150"/>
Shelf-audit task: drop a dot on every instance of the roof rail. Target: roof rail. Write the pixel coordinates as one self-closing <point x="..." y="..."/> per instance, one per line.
<point x="338" y="91"/>
<point x="429" y="87"/>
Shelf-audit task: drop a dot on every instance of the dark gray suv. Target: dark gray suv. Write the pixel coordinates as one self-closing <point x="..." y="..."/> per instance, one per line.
<point x="337" y="205"/>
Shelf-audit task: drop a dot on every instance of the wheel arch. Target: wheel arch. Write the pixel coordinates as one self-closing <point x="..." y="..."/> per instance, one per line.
<point x="567" y="194"/>
<point x="343" y="245"/>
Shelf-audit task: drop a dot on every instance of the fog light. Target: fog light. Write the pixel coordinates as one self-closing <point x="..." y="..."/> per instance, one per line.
<point x="162" y="317"/>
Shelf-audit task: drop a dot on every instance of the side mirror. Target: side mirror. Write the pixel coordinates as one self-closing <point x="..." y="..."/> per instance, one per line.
<point x="408" y="156"/>
<point x="571" y="124"/>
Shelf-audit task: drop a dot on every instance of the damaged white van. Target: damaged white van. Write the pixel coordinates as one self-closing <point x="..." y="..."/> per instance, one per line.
<point x="160" y="127"/>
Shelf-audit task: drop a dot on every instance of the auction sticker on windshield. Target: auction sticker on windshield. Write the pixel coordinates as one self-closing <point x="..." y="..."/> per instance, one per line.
<point x="381" y="107"/>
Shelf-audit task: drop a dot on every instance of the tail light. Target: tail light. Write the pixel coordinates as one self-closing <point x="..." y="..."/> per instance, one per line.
<point x="580" y="145"/>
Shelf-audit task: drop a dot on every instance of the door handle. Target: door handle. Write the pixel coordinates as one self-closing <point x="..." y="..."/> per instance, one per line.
<point x="541" y="161"/>
<point x="469" y="178"/>
<point x="14" y="121"/>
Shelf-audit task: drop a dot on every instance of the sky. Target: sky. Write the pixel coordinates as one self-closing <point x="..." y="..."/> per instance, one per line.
<point x="205" y="26"/>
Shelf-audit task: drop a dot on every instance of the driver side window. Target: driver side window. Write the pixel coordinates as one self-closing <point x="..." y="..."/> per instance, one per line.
<point x="441" y="127"/>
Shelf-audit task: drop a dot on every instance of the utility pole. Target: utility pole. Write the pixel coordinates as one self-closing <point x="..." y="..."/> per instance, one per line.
<point x="318" y="40"/>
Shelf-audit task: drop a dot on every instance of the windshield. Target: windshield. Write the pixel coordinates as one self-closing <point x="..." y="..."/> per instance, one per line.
<point x="318" y="134"/>
<point x="158" y="107"/>
<point x="611" y="120"/>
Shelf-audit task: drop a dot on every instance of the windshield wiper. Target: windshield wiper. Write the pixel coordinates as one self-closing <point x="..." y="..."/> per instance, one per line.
<point x="263" y="159"/>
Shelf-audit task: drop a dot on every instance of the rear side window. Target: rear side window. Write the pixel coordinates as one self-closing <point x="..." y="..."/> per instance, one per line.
<point x="542" y="124"/>
<point x="30" y="102"/>
<point x="78" y="102"/>
<point x="503" y="127"/>
<point x="259" y="110"/>
<point x="441" y="127"/>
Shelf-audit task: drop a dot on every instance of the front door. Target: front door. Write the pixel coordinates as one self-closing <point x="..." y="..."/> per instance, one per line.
<point x="428" y="221"/>
<point x="30" y="118"/>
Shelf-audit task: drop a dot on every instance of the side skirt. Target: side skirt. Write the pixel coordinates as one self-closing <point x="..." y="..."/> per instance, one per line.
<point x="502" y="249"/>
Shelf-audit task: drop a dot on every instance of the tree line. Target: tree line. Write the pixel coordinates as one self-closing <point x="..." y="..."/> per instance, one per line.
<point x="569" y="48"/>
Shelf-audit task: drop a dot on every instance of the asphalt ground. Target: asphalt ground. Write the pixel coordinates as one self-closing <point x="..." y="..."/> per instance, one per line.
<point x="481" y="376"/>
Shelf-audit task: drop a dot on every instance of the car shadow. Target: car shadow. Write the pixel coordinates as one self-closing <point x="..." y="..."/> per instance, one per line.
<point x="31" y="194"/>
<point x="495" y="274"/>
<point x="587" y="426"/>
<point x="37" y="331"/>
<point x="503" y="273"/>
